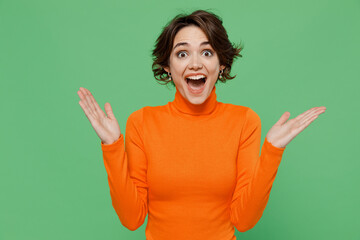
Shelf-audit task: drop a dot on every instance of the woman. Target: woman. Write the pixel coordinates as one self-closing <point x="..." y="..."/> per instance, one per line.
<point x="193" y="164"/>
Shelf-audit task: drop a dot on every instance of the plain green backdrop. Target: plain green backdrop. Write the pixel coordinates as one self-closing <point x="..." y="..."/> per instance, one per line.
<point x="297" y="55"/>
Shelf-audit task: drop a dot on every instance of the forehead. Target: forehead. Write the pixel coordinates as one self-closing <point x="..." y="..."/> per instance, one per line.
<point x="191" y="34"/>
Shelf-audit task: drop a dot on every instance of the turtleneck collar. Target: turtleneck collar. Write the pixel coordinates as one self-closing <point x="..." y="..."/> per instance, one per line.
<point x="184" y="106"/>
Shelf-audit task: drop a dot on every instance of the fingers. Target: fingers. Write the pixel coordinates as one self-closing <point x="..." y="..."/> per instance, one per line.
<point x="96" y="106"/>
<point x="85" y="105"/>
<point x="304" y="114"/>
<point x="301" y="123"/>
<point x="306" y="123"/>
<point x="90" y="102"/>
<point x="309" y="112"/>
<point x="312" y="115"/>
<point x="109" y="111"/>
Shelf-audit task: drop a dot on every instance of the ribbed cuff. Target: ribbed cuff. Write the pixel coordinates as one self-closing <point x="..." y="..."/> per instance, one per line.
<point x="271" y="155"/>
<point x="114" y="146"/>
<point x="272" y="148"/>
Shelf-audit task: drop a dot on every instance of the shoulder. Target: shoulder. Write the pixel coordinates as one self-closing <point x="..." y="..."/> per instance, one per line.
<point x="136" y="115"/>
<point x="146" y="113"/>
<point x="243" y="112"/>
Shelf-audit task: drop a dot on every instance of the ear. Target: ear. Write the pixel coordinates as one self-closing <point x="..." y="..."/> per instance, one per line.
<point x="222" y="67"/>
<point x="166" y="69"/>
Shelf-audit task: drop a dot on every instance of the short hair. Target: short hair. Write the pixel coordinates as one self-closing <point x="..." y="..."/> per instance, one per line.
<point x="212" y="26"/>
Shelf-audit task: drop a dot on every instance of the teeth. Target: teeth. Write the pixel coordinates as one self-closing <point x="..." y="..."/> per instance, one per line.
<point x="197" y="77"/>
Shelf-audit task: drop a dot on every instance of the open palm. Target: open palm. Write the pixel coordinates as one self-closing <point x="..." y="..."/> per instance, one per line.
<point x="283" y="132"/>
<point x="106" y="127"/>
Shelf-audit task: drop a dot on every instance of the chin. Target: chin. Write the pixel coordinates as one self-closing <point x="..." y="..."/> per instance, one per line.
<point x="197" y="100"/>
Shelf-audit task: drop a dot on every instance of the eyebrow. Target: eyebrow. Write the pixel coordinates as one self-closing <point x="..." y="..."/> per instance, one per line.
<point x="185" y="43"/>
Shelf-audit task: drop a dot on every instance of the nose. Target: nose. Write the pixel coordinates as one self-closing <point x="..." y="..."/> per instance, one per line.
<point x="195" y="62"/>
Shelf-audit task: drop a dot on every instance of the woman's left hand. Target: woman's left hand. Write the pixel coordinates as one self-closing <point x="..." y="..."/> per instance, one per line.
<point x="282" y="133"/>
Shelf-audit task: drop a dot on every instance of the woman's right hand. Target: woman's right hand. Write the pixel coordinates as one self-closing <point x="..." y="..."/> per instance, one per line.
<point x="106" y="127"/>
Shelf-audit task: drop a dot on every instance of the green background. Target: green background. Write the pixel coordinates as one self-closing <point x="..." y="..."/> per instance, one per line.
<point x="297" y="55"/>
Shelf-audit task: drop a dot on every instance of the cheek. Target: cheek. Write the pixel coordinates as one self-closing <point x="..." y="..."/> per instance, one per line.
<point x="177" y="67"/>
<point x="212" y="62"/>
<point x="213" y="67"/>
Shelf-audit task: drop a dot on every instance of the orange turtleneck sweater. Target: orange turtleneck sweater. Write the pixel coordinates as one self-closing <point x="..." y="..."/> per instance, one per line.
<point x="195" y="169"/>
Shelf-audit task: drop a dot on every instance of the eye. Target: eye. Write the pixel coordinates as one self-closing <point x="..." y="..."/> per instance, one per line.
<point x="208" y="53"/>
<point x="181" y="54"/>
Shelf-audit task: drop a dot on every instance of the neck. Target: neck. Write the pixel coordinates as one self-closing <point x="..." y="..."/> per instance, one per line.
<point x="181" y="104"/>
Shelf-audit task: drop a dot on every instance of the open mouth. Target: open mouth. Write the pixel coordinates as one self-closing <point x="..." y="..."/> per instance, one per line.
<point x="196" y="81"/>
<point x="196" y="84"/>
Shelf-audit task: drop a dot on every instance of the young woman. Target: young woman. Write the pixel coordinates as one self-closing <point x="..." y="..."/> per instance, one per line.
<point x="193" y="164"/>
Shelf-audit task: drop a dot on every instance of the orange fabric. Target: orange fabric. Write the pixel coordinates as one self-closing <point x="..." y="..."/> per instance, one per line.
<point x="195" y="169"/>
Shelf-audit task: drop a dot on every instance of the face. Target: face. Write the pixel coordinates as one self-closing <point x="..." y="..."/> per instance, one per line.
<point x="191" y="57"/>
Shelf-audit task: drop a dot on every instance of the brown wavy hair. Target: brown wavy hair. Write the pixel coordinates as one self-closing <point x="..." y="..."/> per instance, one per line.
<point x="212" y="26"/>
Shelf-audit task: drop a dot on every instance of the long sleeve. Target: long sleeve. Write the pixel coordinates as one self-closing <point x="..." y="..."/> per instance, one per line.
<point x="255" y="175"/>
<point x="126" y="168"/>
